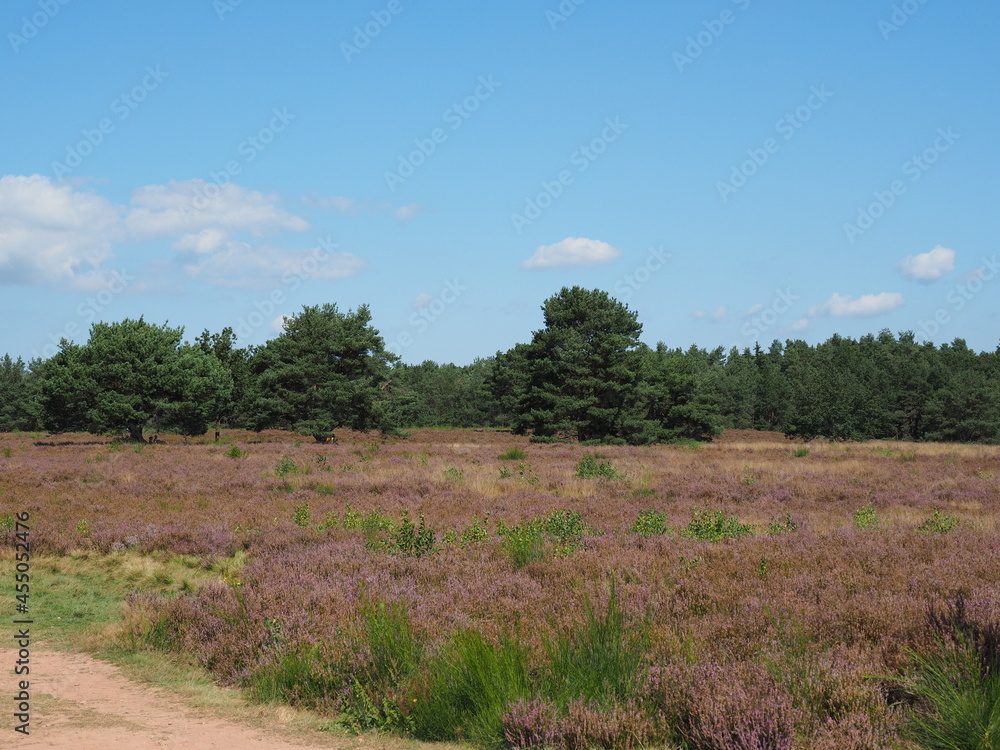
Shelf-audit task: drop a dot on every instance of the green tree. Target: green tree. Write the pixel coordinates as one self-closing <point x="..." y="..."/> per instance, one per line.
<point x="18" y="408"/>
<point x="327" y="369"/>
<point x="135" y="375"/>
<point x="222" y="346"/>
<point x="677" y="394"/>
<point x="578" y="375"/>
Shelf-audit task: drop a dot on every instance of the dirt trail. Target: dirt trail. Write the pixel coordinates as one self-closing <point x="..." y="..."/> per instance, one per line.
<point x="82" y="703"/>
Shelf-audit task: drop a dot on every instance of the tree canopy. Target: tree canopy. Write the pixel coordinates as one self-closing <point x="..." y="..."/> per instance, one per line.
<point x="327" y="369"/>
<point x="132" y="375"/>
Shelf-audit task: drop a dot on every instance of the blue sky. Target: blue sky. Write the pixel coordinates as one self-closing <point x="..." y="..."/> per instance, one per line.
<point x="736" y="171"/>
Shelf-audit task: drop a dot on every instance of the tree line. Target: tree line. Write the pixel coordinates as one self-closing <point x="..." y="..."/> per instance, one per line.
<point x="585" y="375"/>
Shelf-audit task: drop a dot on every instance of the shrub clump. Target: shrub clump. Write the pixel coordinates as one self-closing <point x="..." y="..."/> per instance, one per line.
<point x="589" y="467"/>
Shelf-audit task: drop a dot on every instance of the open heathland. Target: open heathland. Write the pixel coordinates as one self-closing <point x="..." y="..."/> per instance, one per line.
<point x="469" y="585"/>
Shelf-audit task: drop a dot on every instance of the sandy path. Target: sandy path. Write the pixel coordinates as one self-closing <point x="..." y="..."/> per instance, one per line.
<point x="82" y="703"/>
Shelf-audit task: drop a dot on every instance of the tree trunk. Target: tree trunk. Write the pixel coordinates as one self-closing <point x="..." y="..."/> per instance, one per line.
<point x="135" y="430"/>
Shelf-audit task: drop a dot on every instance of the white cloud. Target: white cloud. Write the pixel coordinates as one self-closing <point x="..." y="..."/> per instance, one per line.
<point x="353" y="206"/>
<point x="405" y="213"/>
<point x="755" y="309"/>
<point x="929" y="266"/>
<point x="239" y="265"/>
<point x="183" y="208"/>
<point x="346" y="206"/>
<point x="801" y="324"/>
<point x="423" y="300"/>
<point x="51" y="233"/>
<point x="572" y="251"/>
<point x="718" y="315"/>
<point x="206" y="241"/>
<point x="840" y="305"/>
<point x="278" y="324"/>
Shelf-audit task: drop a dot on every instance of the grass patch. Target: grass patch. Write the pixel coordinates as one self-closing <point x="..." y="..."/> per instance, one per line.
<point x="514" y="454"/>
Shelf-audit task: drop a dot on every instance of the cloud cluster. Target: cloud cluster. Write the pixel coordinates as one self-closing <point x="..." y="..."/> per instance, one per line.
<point x="572" y="251"/>
<point x="929" y="266"/>
<point x="52" y="233"/>
<point x="867" y="305"/>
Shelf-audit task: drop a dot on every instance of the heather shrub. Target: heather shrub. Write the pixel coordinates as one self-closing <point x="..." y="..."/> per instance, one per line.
<point x="736" y="707"/>
<point x="714" y="526"/>
<point x="589" y="467"/>
<point x="938" y="523"/>
<point x="538" y="724"/>
<point x="651" y="523"/>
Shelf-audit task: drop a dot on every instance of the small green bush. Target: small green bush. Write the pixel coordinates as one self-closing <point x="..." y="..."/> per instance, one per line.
<point x="589" y="468"/>
<point x="235" y="452"/>
<point x="800" y="452"/>
<point x="514" y="454"/>
<point x="865" y="518"/>
<point x="939" y="523"/>
<point x="407" y="539"/>
<point x="714" y="526"/>
<point x="286" y="466"/>
<point x="651" y="523"/>
<point x="301" y="516"/>
<point x="782" y="525"/>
